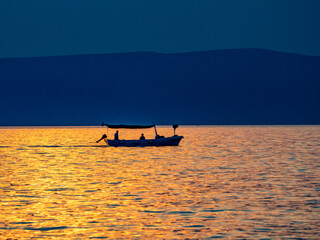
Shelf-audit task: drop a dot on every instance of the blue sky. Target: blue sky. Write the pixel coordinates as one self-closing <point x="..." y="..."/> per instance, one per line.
<point x="66" y="27"/>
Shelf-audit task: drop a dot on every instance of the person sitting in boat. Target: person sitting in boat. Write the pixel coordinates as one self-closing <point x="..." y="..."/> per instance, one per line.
<point x="116" y="135"/>
<point x="142" y="137"/>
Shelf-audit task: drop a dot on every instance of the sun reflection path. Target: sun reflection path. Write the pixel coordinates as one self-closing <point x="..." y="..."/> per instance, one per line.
<point x="222" y="182"/>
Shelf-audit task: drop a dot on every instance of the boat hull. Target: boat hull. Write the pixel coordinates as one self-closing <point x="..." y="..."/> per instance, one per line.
<point x="169" y="141"/>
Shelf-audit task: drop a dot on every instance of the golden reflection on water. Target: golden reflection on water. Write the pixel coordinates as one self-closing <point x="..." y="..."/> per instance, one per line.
<point x="221" y="182"/>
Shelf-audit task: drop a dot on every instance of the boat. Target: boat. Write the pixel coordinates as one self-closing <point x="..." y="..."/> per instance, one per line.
<point x="156" y="142"/>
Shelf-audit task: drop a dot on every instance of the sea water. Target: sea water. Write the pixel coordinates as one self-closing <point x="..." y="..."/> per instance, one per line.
<point x="231" y="182"/>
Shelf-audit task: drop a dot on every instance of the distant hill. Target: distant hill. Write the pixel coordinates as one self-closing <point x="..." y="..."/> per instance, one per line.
<point x="241" y="86"/>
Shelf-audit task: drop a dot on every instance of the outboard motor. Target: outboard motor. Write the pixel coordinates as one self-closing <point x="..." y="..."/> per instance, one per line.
<point x="103" y="137"/>
<point x="175" y="126"/>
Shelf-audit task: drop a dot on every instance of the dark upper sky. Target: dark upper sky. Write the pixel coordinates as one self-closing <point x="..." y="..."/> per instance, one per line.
<point x="66" y="27"/>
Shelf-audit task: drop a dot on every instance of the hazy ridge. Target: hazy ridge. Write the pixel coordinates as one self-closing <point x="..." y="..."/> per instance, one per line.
<point x="239" y="86"/>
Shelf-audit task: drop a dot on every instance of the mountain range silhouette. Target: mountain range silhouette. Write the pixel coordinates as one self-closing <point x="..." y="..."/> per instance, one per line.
<point x="236" y="86"/>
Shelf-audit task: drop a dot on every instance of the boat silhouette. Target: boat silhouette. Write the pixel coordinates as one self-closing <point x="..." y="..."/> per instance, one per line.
<point x="142" y="142"/>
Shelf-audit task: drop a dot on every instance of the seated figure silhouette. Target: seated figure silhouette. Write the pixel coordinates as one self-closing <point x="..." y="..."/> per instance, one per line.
<point x="142" y="137"/>
<point x="116" y="135"/>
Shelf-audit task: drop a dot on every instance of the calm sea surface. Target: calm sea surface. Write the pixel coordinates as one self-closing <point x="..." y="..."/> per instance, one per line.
<point x="221" y="182"/>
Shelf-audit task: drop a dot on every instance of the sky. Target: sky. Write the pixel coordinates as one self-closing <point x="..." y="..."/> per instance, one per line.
<point x="31" y="28"/>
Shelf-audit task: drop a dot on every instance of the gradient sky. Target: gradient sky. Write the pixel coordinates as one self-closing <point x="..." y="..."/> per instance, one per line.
<point x="66" y="27"/>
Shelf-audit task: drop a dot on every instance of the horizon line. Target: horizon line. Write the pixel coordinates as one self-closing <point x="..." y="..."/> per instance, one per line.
<point x="183" y="125"/>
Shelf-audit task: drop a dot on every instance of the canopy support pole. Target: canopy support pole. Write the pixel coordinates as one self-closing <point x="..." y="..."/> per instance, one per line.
<point x="155" y="129"/>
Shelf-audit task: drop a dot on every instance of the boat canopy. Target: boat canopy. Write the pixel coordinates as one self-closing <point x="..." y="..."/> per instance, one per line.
<point x="127" y="126"/>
